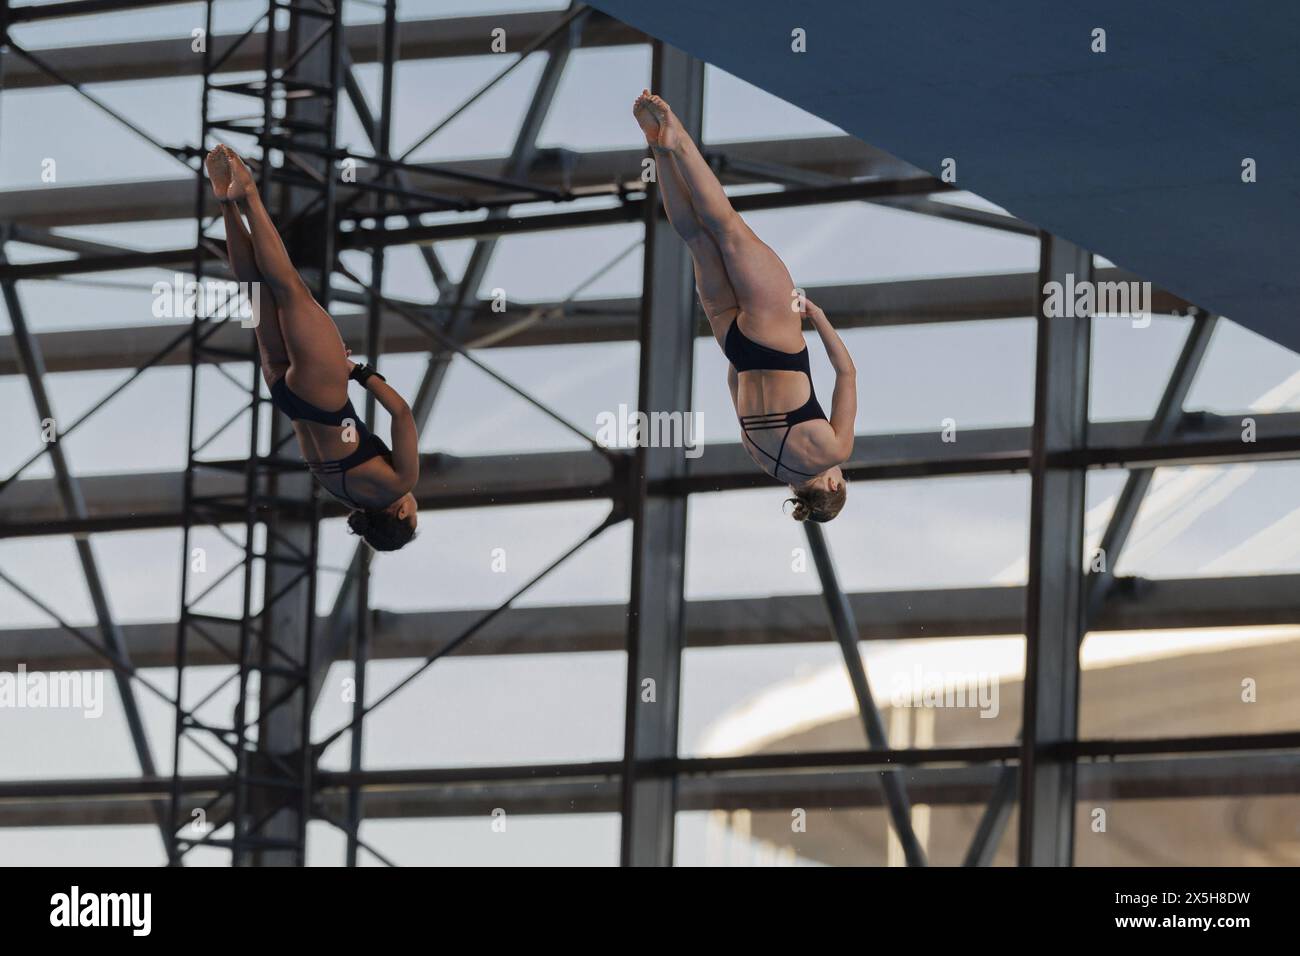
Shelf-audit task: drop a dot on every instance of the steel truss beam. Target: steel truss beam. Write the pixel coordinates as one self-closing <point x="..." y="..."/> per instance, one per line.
<point x="1133" y="604"/>
<point x="37" y="13"/>
<point x="422" y="39"/>
<point x="595" y="172"/>
<point x="631" y="209"/>
<point x="153" y="500"/>
<point x="860" y="305"/>
<point x="594" y="788"/>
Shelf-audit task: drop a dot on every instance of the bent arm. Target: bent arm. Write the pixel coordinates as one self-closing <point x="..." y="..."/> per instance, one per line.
<point x="836" y="350"/>
<point x="844" y="400"/>
<point x="404" y="437"/>
<point x="844" y="413"/>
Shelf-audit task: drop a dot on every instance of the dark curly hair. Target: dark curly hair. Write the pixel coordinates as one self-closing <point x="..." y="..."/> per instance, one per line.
<point x="381" y="530"/>
<point x="816" y="504"/>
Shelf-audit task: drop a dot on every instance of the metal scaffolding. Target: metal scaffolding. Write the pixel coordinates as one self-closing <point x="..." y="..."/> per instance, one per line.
<point x="245" y="775"/>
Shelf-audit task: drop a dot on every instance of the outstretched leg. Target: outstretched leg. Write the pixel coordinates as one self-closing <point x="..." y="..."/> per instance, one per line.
<point x="764" y="288"/>
<point x="239" y="252"/>
<point x="318" y="365"/>
<point x="711" y="281"/>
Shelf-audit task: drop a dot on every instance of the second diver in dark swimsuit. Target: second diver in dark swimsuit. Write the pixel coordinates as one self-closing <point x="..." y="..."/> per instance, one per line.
<point x="307" y="369"/>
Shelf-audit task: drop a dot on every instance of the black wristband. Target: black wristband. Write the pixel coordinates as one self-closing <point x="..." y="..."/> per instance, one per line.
<point x="361" y="373"/>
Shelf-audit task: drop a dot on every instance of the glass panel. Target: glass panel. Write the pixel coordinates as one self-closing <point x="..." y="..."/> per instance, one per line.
<point x="569" y="839"/>
<point x="1190" y="683"/>
<point x="482" y="711"/>
<point x="931" y="533"/>
<point x="1207" y="521"/>
<point x="1202" y="831"/>
<point x="797" y="698"/>
<point x="830" y="836"/>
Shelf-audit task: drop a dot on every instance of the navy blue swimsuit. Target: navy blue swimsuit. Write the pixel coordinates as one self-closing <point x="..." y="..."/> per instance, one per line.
<point x="746" y="355"/>
<point x="369" y="445"/>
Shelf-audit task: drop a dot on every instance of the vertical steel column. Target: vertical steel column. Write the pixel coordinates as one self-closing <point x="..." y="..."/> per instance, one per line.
<point x="306" y="217"/>
<point x="1054" y="594"/>
<point x="361" y="645"/>
<point x="199" y="511"/>
<point x="656" y="609"/>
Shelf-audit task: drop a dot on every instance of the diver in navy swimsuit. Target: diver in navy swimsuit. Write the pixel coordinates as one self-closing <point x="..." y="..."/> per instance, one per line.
<point x="307" y="369"/>
<point x="756" y="315"/>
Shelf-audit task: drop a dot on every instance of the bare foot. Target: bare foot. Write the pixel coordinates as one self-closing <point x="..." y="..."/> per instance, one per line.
<point x="218" y="168"/>
<point x="242" y="183"/>
<point x="670" y="128"/>
<point x="645" y="119"/>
